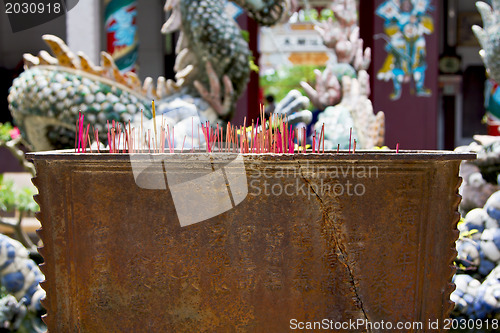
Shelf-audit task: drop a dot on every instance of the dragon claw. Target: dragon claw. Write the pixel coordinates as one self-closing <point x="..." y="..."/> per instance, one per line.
<point x="221" y="106"/>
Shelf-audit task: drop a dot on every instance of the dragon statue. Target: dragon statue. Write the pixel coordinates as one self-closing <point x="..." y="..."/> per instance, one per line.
<point x="487" y="147"/>
<point x="343" y="88"/>
<point x="489" y="37"/>
<point x="212" y="55"/>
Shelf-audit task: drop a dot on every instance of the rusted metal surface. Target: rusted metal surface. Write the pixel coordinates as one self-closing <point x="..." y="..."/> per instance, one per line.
<point x="117" y="260"/>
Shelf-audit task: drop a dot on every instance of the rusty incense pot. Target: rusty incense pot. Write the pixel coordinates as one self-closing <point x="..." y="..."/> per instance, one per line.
<point x="138" y="243"/>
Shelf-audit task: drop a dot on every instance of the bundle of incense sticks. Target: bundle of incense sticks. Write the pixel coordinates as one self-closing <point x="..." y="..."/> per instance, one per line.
<point x="275" y="136"/>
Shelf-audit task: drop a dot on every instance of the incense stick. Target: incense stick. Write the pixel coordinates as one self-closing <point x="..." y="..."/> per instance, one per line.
<point x="154" y="122"/>
<point x="350" y="138"/>
<point x="274" y="136"/>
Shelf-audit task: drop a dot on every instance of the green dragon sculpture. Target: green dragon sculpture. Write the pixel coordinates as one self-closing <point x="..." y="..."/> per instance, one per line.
<point x="212" y="54"/>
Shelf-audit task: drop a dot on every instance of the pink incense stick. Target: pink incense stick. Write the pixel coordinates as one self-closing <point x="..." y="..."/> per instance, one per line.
<point x="109" y="137"/>
<point x="80" y="132"/>
<point x="305" y="141"/>
<point x="275" y="136"/>
<point x="76" y="132"/>
<point x="314" y="142"/>
<point x="350" y="138"/>
<point x="87" y="137"/>
<point x="323" y="136"/>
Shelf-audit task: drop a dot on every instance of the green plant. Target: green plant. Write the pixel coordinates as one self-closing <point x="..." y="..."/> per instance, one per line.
<point x="25" y="202"/>
<point x="5" y="132"/>
<point x="20" y="200"/>
<point x="280" y="82"/>
<point x="10" y="138"/>
<point x="13" y="315"/>
<point x="7" y="195"/>
<point x="16" y="199"/>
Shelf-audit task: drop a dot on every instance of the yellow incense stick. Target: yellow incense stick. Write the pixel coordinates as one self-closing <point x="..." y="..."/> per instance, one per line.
<point x="154" y="124"/>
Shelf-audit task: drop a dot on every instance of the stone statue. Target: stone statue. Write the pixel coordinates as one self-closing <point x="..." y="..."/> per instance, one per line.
<point x="212" y="70"/>
<point x="20" y="277"/>
<point x="488" y="147"/>
<point x="489" y="37"/>
<point x="342" y="89"/>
